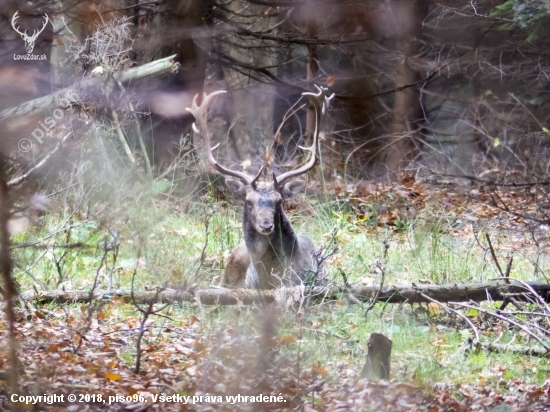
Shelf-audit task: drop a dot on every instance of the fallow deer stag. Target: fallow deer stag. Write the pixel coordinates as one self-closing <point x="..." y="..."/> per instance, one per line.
<point x="272" y="254"/>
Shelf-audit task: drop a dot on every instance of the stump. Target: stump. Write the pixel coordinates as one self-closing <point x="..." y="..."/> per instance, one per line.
<point x="377" y="365"/>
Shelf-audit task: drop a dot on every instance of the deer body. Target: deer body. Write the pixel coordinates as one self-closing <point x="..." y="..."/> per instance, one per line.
<point x="272" y="254"/>
<point x="290" y="263"/>
<point x="278" y="258"/>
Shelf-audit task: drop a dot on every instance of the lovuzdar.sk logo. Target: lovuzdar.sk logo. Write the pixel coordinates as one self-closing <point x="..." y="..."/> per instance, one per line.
<point x="29" y="39"/>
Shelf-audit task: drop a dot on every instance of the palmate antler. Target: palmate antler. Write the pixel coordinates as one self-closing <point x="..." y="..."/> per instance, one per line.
<point x="321" y="102"/>
<point x="201" y="128"/>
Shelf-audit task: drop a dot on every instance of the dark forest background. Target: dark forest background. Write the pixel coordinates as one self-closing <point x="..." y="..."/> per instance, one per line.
<point x="421" y="87"/>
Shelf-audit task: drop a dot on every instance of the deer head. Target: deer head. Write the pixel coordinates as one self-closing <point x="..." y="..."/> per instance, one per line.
<point x="262" y="200"/>
<point x="29" y="40"/>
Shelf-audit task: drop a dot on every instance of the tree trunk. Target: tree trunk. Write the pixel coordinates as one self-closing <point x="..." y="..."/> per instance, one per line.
<point x="64" y="34"/>
<point x="182" y="28"/>
<point x="406" y="105"/>
<point x="312" y="69"/>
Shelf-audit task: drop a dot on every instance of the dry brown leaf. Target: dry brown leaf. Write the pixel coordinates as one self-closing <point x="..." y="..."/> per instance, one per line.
<point x="319" y="370"/>
<point x="111" y="376"/>
<point x="287" y="339"/>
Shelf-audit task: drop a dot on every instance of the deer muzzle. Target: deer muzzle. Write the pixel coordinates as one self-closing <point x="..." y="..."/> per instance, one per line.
<point x="266" y="227"/>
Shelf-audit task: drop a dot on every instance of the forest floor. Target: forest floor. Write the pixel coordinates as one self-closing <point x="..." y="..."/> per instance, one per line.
<point x="251" y="358"/>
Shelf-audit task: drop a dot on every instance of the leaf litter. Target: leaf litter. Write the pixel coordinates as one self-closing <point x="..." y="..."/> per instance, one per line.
<point x="61" y="354"/>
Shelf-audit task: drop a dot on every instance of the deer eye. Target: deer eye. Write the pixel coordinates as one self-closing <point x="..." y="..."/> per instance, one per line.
<point x="248" y="203"/>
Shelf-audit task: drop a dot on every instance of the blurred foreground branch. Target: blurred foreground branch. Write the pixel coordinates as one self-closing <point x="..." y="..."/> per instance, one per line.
<point x="15" y="181"/>
<point x="9" y="288"/>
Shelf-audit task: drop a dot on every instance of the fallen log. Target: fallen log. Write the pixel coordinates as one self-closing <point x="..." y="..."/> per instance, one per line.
<point x="522" y="350"/>
<point x="457" y="292"/>
<point x="496" y="291"/>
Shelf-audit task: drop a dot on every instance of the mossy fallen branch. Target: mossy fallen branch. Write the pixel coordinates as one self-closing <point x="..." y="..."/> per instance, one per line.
<point x="132" y="75"/>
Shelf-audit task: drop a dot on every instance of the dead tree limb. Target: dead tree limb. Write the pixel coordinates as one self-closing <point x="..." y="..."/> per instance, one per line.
<point x="134" y="74"/>
<point x="523" y="350"/>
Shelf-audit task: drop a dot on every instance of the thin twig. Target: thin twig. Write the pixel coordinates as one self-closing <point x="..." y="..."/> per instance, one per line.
<point x="504" y="318"/>
<point x="382" y="268"/>
<point x="121" y="138"/>
<point x="456" y="312"/>
<point x="493" y="254"/>
<point x="203" y="252"/>
<point x="145" y="313"/>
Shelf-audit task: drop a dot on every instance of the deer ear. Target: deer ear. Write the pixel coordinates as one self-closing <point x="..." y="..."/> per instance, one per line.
<point x="291" y="189"/>
<point x="236" y="186"/>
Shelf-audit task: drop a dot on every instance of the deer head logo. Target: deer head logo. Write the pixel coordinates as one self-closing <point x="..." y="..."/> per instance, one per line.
<point x="29" y="40"/>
